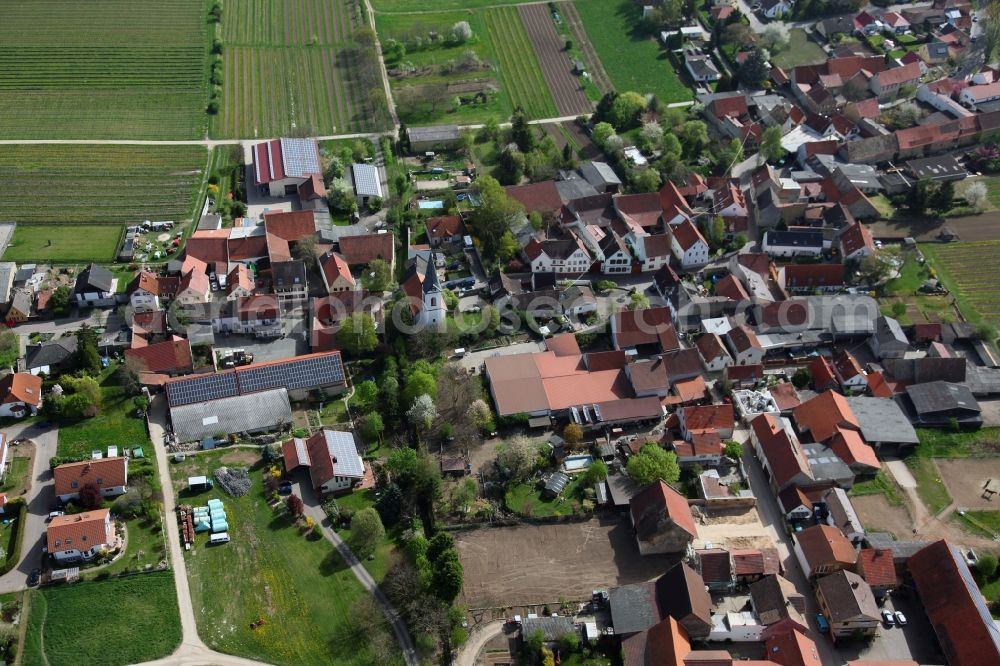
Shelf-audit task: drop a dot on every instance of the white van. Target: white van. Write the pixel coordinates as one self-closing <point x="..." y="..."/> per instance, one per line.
<point x="221" y="537"/>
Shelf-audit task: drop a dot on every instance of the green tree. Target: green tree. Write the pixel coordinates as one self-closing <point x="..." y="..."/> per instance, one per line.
<point x="422" y="412"/>
<point x="801" y="378"/>
<point x="447" y="576"/>
<point x="754" y="70"/>
<point x="714" y="230"/>
<point x="367" y="532"/>
<point x="601" y="133"/>
<point x="942" y="199"/>
<point x="495" y="215"/>
<point x="671" y="145"/>
<point x="372" y="427"/>
<point x="985" y="568"/>
<point x="572" y="434"/>
<point x="10" y="348"/>
<point x="918" y="197"/>
<point x="357" y="334"/>
<point x="418" y="383"/>
<point x="88" y="358"/>
<point x="60" y="301"/>
<point x="366" y="395"/>
<point x="770" y="144"/>
<point x="626" y="109"/>
<point x="521" y="132"/>
<point x="638" y="301"/>
<point x="646" y="180"/>
<point x="694" y="136"/>
<point x="898" y="309"/>
<point x="517" y="457"/>
<point x="733" y="450"/>
<point x="340" y="196"/>
<point x="596" y="472"/>
<point x="377" y="276"/>
<point x="653" y="463"/>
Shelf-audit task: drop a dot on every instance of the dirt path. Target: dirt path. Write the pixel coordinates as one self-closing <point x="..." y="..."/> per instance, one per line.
<point x="481" y="635"/>
<point x="556" y="66"/>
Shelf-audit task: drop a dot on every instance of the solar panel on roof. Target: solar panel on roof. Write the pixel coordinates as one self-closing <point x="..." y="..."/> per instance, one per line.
<point x="202" y="388"/>
<point x="300" y="157"/>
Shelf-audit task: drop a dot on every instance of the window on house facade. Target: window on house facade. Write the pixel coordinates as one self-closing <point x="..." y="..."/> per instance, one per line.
<point x="100" y="480"/>
<point x="74" y="484"/>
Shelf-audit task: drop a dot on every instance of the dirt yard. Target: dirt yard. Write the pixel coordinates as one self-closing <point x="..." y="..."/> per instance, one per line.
<point x="877" y="515"/>
<point x="965" y="478"/>
<point x="536" y="564"/>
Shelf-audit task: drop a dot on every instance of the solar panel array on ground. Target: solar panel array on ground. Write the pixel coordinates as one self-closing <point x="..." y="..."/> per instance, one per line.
<point x="300" y="373"/>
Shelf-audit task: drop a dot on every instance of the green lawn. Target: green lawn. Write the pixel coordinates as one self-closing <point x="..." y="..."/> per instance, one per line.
<point x="526" y="499"/>
<point x="112" y="622"/>
<point x="800" y="51"/>
<point x="146" y="548"/>
<point x="930" y="487"/>
<point x="943" y="444"/>
<point x="385" y="554"/>
<point x="269" y="570"/>
<point x="883" y="205"/>
<point x="983" y="523"/>
<point x="17" y="475"/>
<point x="633" y="60"/>
<point x="115" y="424"/>
<point x="64" y="244"/>
<point x="880" y="485"/>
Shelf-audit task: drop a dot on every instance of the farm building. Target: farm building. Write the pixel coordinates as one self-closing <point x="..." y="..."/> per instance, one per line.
<point x="367" y="182"/>
<point x="282" y="166"/>
<point x="440" y="137"/>
<point x="255" y="412"/>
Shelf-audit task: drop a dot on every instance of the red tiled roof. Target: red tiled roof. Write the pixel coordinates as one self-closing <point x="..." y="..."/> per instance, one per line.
<point x="731" y="288"/>
<point x="195" y="281"/>
<point x="745" y="373"/>
<point x="363" y="249"/>
<point x="687" y="235"/>
<point x="730" y="106"/>
<point x="707" y="443"/>
<point x="112" y="472"/>
<point x="312" y="188"/>
<point x="239" y="277"/>
<point x="792" y="648"/>
<point x="716" y="565"/>
<point x="147" y="281"/>
<point x="813" y="275"/>
<point x="853" y="450"/>
<point x="209" y="246"/>
<point x="167" y="356"/>
<point x="956" y="609"/>
<point x="764" y="561"/>
<point x="822" y="373"/>
<point x="644" y="327"/>
<point x="824" y="545"/>
<point x="291" y="226"/>
<point x="705" y="417"/>
<point x="846" y="366"/>
<point x="443" y="228"/>
<point x="691" y="390"/>
<point x="80" y="531"/>
<point x="541" y="197"/>
<point x="785" y="396"/>
<point x="824" y="415"/>
<point x="334" y="266"/>
<point x="758" y="262"/>
<point x="242" y="248"/>
<point x="21" y="387"/>
<point x="662" y="498"/>
<point x="743" y="339"/>
<point x="783" y="452"/>
<point x="657" y="245"/>
<point x="856" y="237"/>
<point x="877" y="567"/>
<point x="710" y="346"/>
<point x="898" y="75"/>
<point x="644" y="209"/>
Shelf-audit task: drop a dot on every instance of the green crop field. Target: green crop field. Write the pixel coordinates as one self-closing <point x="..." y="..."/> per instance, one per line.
<point x="407" y="6"/>
<point x="633" y="60"/>
<point x="271" y="571"/>
<point x="100" y="184"/>
<point x="128" y="621"/>
<point x="124" y="69"/>
<point x="522" y="75"/>
<point x="960" y="267"/>
<point x="64" y="244"/>
<point x="291" y="67"/>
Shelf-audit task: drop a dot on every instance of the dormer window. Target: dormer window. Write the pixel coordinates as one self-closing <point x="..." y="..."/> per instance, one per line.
<point x="84" y="537"/>
<point x="100" y="480"/>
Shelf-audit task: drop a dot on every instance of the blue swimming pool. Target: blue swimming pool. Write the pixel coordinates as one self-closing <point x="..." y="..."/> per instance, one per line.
<point x="577" y="463"/>
<point x="430" y="205"/>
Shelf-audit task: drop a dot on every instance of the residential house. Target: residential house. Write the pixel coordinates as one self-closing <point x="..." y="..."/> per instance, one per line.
<point x="336" y="273"/>
<point x="81" y="536"/>
<point x="788" y="646"/>
<point x="331" y="458"/>
<point x="888" y="340"/>
<point x="792" y="243"/>
<point x="849" y="372"/>
<point x="616" y="257"/>
<point x="239" y="283"/>
<point x="51" y="358"/>
<point x="895" y="23"/>
<point x="662" y="520"/>
<point x="973" y="96"/>
<point x="688" y="600"/>
<point x="653" y="251"/>
<point x="144" y="292"/>
<point x="841" y="514"/>
<point x="665" y="643"/>
<point x="848" y="603"/>
<point x="716" y="568"/>
<point x="95" y="285"/>
<point x="822" y="373"/>
<point x="578" y="300"/>
<point x="169" y="358"/>
<point x="109" y="475"/>
<point x="796" y="504"/>
<point x="887" y="84"/>
<point x="20" y="395"/>
<point x="689" y="247"/>
<point x="875" y="565"/>
<point x="744" y="376"/>
<point x="446" y="229"/>
<point x="289" y="282"/>
<point x="957" y="610"/>
<point x="194" y="288"/>
<point x="282" y="166"/>
<point x="699" y="419"/>
<point x="560" y="256"/>
<point x="750" y="566"/>
<point x="704" y="449"/>
<point x="822" y="550"/>
<point x="646" y="330"/>
<point x="19" y="310"/>
<point x="744" y="346"/>
<point x="824" y="415"/>
<point x="811" y="278"/>
<point x="775" y="600"/>
<point x="856" y="242"/>
<point x="713" y="352"/>
<point x="780" y="453"/>
<point x="700" y="66"/>
<point x="292" y="226"/>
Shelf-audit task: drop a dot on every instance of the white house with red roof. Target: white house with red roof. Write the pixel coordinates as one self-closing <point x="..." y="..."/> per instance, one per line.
<point x="330" y="456"/>
<point x="336" y="273"/>
<point x="856" y="242"/>
<point x="282" y="166"/>
<point x="144" y="292"/>
<point x="688" y="245"/>
<point x="81" y="536"/>
<point x="194" y="288"/>
<point x="20" y="394"/>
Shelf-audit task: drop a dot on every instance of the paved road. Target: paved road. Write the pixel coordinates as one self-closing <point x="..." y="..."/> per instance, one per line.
<point x="40" y="498"/>
<point x="94" y="317"/>
<point x="771" y="517"/>
<point x="315" y="511"/>
<point x="478" y="639"/>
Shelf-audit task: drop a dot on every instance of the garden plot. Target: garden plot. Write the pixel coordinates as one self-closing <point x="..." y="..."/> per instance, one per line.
<point x="566" y="87"/>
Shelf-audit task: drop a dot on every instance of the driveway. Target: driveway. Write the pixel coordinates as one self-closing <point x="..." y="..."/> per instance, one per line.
<point x="477" y="358"/>
<point x="40" y="498"/>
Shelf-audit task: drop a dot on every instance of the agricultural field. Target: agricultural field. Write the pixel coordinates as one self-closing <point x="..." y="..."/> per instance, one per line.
<point x="259" y="575"/>
<point x="124" y="69"/>
<point x="960" y="268"/>
<point x="518" y="62"/>
<point x="64" y="244"/>
<point x="100" y="184"/>
<point x="567" y="89"/>
<point x="142" y="623"/>
<point x="632" y="60"/>
<point x="292" y="68"/>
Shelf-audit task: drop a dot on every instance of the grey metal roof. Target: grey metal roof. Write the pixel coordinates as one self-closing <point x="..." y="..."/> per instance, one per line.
<point x="93" y="278"/>
<point x="882" y="420"/>
<point x="825" y="464"/>
<point x="344" y="450"/>
<point x="862" y="175"/>
<point x="633" y="608"/>
<point x="901" y="550"/>
<point x="982" y="381"/>
<point x="241" y="413"/>
<point x="366" y="180"/>
<point x="795" y="238"/>
<point x="574" y="188"/>
<point x="942" y="167"/>
<point x="435" y="133"/>
<point x="932" y="397"/>
<point x="556" y="483"/>
<point x="210" y="222"/>
<point x="50" y="353"/>
<point x="7" y="271"/>
<point x="888" y="329"/>
<point x="599" y="174"/>
<point x="300" y="157"/>
<point x="552" y="628"/>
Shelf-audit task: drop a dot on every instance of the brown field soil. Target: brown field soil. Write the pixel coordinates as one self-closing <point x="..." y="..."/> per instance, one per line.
<point x="970" y="228"/>
<point x="965" y="478"/>
<point x="536" y="564"/>
<point x="877" y="515"/>
<point x="588" y="149"/>
<point x="565" y="87"/>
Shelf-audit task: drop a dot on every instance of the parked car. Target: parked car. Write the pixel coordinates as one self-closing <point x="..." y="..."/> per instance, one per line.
<point x="34" y="577"/>
<point x="822" y="624"/>
<point x="887" y="617"/>
<point x="900" y="618"/>
<point x="55" y="514"/>
<point x="285" y="488"/>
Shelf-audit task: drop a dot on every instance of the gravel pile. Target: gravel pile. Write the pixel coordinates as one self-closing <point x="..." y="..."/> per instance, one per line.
<point x="234" y="480"/>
